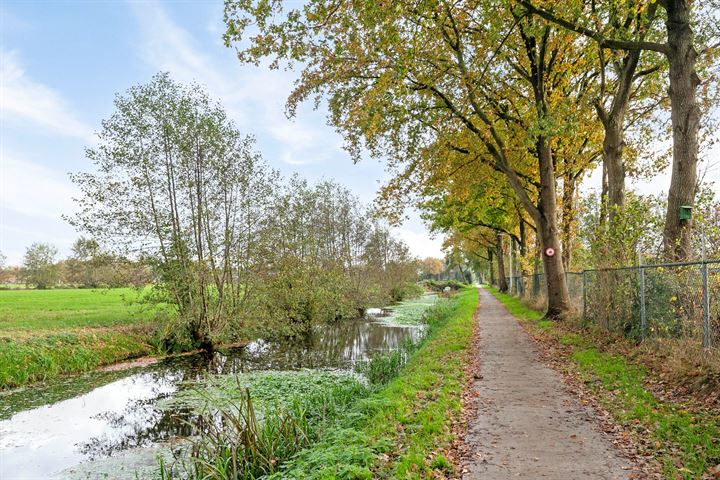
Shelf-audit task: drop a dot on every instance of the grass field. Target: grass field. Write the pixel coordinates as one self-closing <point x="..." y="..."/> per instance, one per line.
<point x="684" y="437"/>
<point x="47" y="333"/>
<point x="39" y="311"/>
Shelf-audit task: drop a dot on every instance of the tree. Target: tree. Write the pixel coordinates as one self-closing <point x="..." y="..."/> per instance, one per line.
<point x="681" y="51"/>
<point x="432" y="267"/>
<point x="178" y="184"/>
<point x="83" y="265"/>
<point x="39" y="267"/>
<point x="3" y="267"/>
<point x="414" y="82"/>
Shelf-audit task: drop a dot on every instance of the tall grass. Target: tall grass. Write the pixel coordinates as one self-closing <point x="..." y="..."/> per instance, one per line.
<point x="44" y="358"/>
<point x="400" y="429"/>
<point x="238" y="442"/>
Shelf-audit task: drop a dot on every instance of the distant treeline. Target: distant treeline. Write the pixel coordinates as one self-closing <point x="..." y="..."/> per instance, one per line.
<point x="86" y="267"/>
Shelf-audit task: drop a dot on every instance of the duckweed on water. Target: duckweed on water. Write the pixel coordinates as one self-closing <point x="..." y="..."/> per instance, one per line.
<point x="267" y="388"/>
<point x="410" y="312"/>
<point x="330" y="425"/>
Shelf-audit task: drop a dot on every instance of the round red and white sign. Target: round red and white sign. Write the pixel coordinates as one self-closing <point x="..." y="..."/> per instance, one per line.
<point x="549" y="251"/>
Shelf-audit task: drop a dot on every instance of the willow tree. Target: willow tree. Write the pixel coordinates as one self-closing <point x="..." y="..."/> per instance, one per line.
<point x="402" y="77"/>
<point x="177" y="184"/>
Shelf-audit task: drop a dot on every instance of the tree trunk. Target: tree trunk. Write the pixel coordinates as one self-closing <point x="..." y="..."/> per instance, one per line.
<point x="492" y="269"/>
<point x="523" y="245"/>
<point x="568" y="219"/>
<point x="614" y="139"/>
<point x="558" y="295"/>
<point x="613" y="164"/>
<point x="685" y="118"/>
<point x="502" y="283"/>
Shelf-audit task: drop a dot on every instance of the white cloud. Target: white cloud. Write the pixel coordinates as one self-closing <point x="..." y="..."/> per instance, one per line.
<point x="420" y="243"/>
<point x="24" y="100"/>
<point x="35" y="197"/>
<point x="254" y="97"/>
<point x="33" y="190"/>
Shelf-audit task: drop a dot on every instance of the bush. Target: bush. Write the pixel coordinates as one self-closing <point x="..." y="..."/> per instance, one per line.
<point x="406" y="291"/>
<point x="440" y="285"/>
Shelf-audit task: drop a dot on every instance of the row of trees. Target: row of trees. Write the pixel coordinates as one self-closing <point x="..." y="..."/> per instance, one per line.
<point x="86" y="267"/>
<point x="232" y="244"/>
<point x="491" y="112"/>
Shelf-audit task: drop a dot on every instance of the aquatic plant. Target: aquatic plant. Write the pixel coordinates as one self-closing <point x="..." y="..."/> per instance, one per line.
<point x="239" y="441"/>
<point x="410" y="312"/>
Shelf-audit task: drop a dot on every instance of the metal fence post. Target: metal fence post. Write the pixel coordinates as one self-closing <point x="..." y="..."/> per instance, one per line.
<point x="706" y="296"/>
<point x="706" y="306"/>
<point x="511" y="264"/>
<point x="643" y="319"/>
<point x="584" y="317"/>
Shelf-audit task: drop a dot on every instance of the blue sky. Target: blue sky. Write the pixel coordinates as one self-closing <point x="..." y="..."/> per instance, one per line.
<point x="61" y="64"/>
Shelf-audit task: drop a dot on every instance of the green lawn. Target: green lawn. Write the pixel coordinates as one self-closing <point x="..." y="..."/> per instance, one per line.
<point x="685" y="438"/>
<point x="47" y="333"/>
<point x="62" y="309"/>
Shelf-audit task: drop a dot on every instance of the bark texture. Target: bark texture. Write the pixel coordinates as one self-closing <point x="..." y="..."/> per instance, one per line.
<point x="557" y="292"/>
<point x="502" y="282"/>
<point x="685" y="118"/>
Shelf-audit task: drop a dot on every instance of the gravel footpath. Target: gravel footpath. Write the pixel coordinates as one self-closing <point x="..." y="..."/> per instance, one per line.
<point x="528" y="425"/>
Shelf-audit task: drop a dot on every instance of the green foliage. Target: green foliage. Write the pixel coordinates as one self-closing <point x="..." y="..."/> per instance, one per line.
<point x="48" y="357"/>
<point x="327" y="425"/>
<point x="411" y="416"/>
<point x="269" y="389"/>
<point x="406" y="291"/>
<point x="235" y="249"/>
<point x="265" y="419"/>
<point x="39" y="268"/>
<point x="610" y="244"/>
<point x="383" y="368"/>
<point x="439" y="285"/>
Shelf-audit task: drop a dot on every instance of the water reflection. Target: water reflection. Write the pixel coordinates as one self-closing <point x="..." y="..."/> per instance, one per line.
<point x="100" y="415"/>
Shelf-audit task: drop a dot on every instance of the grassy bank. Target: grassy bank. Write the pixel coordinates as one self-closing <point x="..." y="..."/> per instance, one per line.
<point x="47" y="333"/>
<point x="401" y="430"/>
<point x="683" y="438"/>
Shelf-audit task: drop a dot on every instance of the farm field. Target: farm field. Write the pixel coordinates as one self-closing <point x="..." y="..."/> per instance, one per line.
<point x="34" y="312"/>
<point x="47" y="333"/>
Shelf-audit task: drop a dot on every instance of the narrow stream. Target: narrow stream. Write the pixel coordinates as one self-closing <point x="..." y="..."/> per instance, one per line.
<point x="106" y="424"/>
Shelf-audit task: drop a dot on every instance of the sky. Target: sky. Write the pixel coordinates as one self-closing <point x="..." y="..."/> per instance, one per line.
<point x="61" y="65"/>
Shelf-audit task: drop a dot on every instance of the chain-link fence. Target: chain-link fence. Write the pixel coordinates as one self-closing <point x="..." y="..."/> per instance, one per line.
<point x="671" y="300"/>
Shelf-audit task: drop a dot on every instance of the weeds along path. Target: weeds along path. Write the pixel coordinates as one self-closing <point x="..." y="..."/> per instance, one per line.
<point x="527" y="424"/>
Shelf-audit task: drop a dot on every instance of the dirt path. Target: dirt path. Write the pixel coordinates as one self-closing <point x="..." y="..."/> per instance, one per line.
<point x="527" y="424"/>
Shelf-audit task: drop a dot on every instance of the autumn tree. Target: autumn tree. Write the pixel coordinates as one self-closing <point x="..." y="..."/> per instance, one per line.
<point x="629" y="28"/>
<point x="432" y="267"/>
<point x="411" y="82"/>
